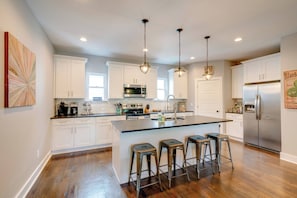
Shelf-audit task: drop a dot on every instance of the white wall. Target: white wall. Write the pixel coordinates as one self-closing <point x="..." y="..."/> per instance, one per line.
<point x="288" y="116"/>
<point x="24" y="130"/>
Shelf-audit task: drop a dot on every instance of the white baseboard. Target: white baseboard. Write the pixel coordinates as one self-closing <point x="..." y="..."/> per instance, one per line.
<point x="32" y="179"/>
<point x="288" y="157"/>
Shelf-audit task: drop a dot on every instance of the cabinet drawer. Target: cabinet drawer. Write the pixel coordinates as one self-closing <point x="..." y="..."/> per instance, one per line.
<point x="234" y="116"/>
<point x="65" y="121"/>
<point x="84" y="120"/>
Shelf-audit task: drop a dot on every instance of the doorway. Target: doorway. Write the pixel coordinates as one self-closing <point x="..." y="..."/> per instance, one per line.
<point x="209" y="97"/>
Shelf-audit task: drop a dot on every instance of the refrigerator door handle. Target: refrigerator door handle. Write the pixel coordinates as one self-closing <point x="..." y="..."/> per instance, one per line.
<point x="258" y="107"/>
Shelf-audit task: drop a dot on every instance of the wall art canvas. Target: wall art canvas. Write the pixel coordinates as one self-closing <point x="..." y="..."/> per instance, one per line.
<point x="290" y="89"/>
<point x="19" y="73"/>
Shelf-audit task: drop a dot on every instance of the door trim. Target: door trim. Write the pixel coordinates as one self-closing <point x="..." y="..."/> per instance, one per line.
<point x="197" y="80"/>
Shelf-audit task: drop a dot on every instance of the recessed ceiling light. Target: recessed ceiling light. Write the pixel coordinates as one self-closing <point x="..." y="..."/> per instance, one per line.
<point x="83" y="39"/>
<point x="238" y="39"/>
<point x="192" y="57"/>
<point x="145" y="50"/>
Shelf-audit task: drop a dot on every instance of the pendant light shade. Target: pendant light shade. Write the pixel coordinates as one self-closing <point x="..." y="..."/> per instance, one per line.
<point x="208" y="70"/>
<point x="145" y="66"/>
<point x="180" y="71"/>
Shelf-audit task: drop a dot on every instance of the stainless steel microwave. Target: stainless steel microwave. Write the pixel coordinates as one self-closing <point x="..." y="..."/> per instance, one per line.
<point x="134" y="91"/>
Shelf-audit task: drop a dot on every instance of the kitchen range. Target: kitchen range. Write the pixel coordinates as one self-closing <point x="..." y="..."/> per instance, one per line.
<point x="134" y="112"/>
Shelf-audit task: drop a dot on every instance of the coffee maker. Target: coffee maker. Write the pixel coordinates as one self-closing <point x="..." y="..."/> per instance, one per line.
<point x="63" y="109"/>
<point x="73" y="109"/>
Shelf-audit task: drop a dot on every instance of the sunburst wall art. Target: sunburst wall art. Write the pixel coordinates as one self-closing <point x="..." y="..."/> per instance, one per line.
<point x="19" y="73"/>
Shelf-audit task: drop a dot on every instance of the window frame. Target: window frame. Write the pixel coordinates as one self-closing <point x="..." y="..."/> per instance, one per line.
<point x="88" y="74"/>
<point x="165" y="88"/>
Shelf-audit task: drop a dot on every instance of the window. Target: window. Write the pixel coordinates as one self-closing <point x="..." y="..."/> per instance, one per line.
<point x="161" y="88"/>
<point x="96" y="85"/>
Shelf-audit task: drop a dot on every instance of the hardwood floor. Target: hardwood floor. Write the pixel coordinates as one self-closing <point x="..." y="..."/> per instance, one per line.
<point x="257" y="173"/>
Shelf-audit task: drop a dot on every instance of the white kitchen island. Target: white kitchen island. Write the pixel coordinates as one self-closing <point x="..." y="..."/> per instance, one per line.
<point x="128" y="132"/>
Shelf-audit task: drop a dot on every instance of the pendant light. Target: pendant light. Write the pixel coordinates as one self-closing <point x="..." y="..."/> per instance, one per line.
<point x="179" y="70"/>
<point x="208" y="70"/>
<point x="145" y="66"/>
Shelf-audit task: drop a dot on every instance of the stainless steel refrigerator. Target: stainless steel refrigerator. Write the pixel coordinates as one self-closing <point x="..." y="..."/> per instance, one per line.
<point x="261" y="115"/>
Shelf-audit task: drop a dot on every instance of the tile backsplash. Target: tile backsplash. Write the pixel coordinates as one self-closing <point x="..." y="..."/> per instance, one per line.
<point x="109" y="106"/>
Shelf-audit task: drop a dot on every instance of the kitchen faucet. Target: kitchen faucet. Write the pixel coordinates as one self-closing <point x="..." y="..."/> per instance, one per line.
<point x="174" y="105"/>
<point x="167" y="105"/>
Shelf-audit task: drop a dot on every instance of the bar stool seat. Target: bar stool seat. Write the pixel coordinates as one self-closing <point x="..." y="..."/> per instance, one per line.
<point x="148" y="150"/>
<point x="219" y="138"/>
<point x="199" y="142"/>
<point x="171" y="145"/>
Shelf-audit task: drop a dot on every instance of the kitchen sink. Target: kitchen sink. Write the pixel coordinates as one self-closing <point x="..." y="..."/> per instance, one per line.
<point x="169" y="119"/>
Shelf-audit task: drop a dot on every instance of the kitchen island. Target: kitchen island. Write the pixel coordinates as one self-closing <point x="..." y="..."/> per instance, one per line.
<point x="128" y="132"/>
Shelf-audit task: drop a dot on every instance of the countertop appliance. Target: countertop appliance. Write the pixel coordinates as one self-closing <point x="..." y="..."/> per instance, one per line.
<point x="261" y="115"/>
<point x="63" y="109"/>
<point x="134" y="91"/>
<point x="134" y="112"/>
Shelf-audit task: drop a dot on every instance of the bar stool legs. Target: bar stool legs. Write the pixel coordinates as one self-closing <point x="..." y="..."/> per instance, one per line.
<point x="200" y="141"/>
<point x="171" y="145"/>
<point x="219" y="138"/>
<point x="148" y="150"/>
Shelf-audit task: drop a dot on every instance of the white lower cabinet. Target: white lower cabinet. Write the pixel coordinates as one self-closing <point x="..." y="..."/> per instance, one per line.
<point x="72" y="134"/>
<point x="235" y="128"/>
<point x="103" y="134"/>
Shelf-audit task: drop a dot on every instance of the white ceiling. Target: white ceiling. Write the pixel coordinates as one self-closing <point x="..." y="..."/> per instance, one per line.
<point x="114" y="27"/>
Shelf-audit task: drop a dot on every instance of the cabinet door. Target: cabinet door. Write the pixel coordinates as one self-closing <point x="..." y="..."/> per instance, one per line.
<point x="77" y="79"/>
<point x="253" y="72"/>
<point x="151" y="83"/>
<point x="133" y="75"/>
<point x="62" y="77"/>
<point x="69" y="77"/>
<point x="115" y="81"/>
<point x="235" y="128"/>
<point x="62" y="137"/>
<point x="272" y="68"/>
<point x="84" y="135"/>
<point x="103" y="132"/>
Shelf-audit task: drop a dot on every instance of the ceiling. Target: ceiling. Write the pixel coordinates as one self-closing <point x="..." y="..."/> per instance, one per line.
<point x="114" y="28"/>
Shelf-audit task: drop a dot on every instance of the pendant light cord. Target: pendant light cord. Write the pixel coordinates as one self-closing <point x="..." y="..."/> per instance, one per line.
<point x="179" y="48"/>
<point x="145" y="49"/>
<point x="207" y="37"/>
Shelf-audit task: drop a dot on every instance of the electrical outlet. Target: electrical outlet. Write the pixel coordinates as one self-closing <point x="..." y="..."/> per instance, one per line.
<point x="37" y="154"/>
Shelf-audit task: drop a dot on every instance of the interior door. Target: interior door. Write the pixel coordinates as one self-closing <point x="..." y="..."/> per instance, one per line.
<point x="209" y="98"/>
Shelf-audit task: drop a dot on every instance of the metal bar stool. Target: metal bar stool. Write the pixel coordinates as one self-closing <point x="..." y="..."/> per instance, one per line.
<point x="219" y="138"/>
<point x="199" y="142"/>
<point x="143" y="149"/>
<point x="171" y="145"/>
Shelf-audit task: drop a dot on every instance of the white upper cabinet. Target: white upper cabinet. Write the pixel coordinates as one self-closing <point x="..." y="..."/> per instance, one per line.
<point x="125" y="73"/>
<point x="237" y="81"/>
<point x="69" y="76"/>
<point x="115" y="80"/>
<point x="133" y="75"/>
<point x="266" y="68"/>
<point x="178" y="86"/>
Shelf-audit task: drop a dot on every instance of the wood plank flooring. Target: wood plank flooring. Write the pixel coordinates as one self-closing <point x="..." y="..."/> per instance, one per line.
<point x="257" y="173"/>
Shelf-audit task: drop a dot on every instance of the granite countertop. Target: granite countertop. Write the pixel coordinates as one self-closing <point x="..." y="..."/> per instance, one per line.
<point x="140" y="125"/>
<point x="88" y="115"/>
<point x="105" y="114"/>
